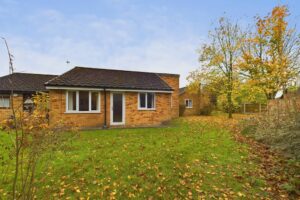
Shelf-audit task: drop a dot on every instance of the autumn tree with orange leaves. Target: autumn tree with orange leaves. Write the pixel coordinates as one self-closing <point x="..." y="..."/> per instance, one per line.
<point x="265" y="59"/>
<point x="270" y="54"/>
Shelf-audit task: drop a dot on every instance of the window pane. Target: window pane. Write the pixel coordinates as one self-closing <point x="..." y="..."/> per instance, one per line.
<point x="117" y="107"/>
<point x="83" y="101"/>
<point x="95" y="100"/>
<point x="190" y="103"/>
<point x="4" y="102"/>
<point x="142" y="100"/>
<point x="71" y="101"/>
<point x="150" y="100"/>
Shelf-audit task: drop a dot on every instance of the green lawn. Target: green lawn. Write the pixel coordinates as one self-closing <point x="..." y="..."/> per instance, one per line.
<point x="188" y="159"/>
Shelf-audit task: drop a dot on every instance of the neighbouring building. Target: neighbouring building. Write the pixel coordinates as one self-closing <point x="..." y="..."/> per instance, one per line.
<point x="18" y="88"/>
<point x="92" y="97"/>
<point x="193" y="102"/>
<point x="189" y="102"/>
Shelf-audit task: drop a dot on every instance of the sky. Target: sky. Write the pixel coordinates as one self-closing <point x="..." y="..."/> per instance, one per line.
<point x="154" y="36"/>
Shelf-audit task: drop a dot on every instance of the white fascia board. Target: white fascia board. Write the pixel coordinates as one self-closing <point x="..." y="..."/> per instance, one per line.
<point x="107" y="89"/>
<point x="130" y="90"/>
<point x="72" y="88"/>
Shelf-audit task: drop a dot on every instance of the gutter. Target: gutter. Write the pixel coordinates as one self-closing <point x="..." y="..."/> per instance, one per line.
<point x="107" y="89"/>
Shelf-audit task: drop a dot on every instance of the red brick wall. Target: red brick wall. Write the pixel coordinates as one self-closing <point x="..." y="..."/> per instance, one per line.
<point x="5" y="113"/>
<point x="173" y="82"/>
<point x="133" y="116"/>
<point x="195" y="110"/>
<point x="58" y="111"/>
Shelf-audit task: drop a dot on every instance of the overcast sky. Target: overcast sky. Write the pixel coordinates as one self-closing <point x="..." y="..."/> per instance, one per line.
<point x="155" y="36"/>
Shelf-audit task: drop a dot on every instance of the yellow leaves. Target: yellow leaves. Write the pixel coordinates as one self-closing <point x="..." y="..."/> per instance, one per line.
<point x="182" y="182"/>
<point x="112" y="194"/>
<point x="131" y="195"/>
<point x="240" y="194"/>
<point x="62" y="192"/>
<point x="77" y="190"/>
<point x="267" y="55"/>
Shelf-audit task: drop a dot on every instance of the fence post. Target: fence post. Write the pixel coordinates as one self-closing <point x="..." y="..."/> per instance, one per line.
<point x="259" y="107"/>
<point x="244" y="108"/>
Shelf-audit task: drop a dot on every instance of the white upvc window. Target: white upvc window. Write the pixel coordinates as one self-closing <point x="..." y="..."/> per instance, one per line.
<point x="4" y="101"/>
<point x="146" y="101"/>
<point x="189" y="103"/>
<point x="82" y="101"/>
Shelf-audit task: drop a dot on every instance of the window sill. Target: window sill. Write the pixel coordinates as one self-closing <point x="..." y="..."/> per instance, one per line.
<point x="82" y="112"/>
<point x="189" y="107"/>
<point x="147" y="109"/>
<point x="4" y="108"/>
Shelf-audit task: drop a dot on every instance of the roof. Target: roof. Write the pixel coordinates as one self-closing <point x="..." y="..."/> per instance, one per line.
<point x="112" y="79"/>
<point x="182" y="90"/>
<point x="24" y="82"/>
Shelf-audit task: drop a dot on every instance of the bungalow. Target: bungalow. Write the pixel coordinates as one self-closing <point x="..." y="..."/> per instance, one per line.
<point x="92" y="97"/>
<point x="22" y="86"/>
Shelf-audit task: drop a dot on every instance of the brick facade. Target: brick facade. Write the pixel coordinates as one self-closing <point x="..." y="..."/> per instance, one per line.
<point x="167" y="108"/>
<point x="57" y="107"/>
<point x="136" y="117"/>
<point x="5" y="113"/>
<point x="133" y="116"/>
<point x="195" y="110"/>
<point x="173" y="82"/>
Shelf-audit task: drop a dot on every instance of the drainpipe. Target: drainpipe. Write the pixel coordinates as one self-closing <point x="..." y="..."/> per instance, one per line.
<point x="105" y="121"/>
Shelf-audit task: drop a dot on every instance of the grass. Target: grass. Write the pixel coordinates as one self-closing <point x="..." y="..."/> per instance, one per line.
<point x="189" y="159"/>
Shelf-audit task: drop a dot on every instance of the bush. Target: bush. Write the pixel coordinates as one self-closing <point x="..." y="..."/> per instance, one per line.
<point x="279" y="127"/>
<point x="207" y="109"/>
<point x="181" y="109"/>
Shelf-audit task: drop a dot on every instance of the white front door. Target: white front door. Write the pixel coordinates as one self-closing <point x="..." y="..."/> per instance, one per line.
<point x="117" y="116"/>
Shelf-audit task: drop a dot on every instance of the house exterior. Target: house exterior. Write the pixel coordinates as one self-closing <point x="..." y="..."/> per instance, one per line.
<point x="95" y="98"/>
<point x="18" y="88"/>
<point x="189" y="102"/>
<point x="193" y="102"/>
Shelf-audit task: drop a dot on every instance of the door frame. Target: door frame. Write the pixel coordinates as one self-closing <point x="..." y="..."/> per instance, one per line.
<point x="111" y="109"/>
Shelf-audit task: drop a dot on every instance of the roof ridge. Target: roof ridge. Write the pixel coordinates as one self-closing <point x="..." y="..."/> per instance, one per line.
<point x="33" y="74"/>
<point x="122" y="70"/>
<point x="16" y="73"/>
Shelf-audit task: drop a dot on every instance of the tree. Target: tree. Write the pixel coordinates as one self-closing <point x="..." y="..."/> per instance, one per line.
<point x="219" y="58"/>
<point x="32" y="138"/>
<point x="270" y="54"/>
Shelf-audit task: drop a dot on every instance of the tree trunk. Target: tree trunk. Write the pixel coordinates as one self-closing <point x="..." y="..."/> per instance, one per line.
<point x="229" y="100"/>
<point x="229" y="92"/>
<point x="271" y="95"/>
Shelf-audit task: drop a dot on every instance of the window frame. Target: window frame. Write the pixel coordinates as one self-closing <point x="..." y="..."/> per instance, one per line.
<point x="146" y="101"/>
<point x="9" y="101"/>
<point x="77" y="102"/>
<point x="189" y="101"/>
